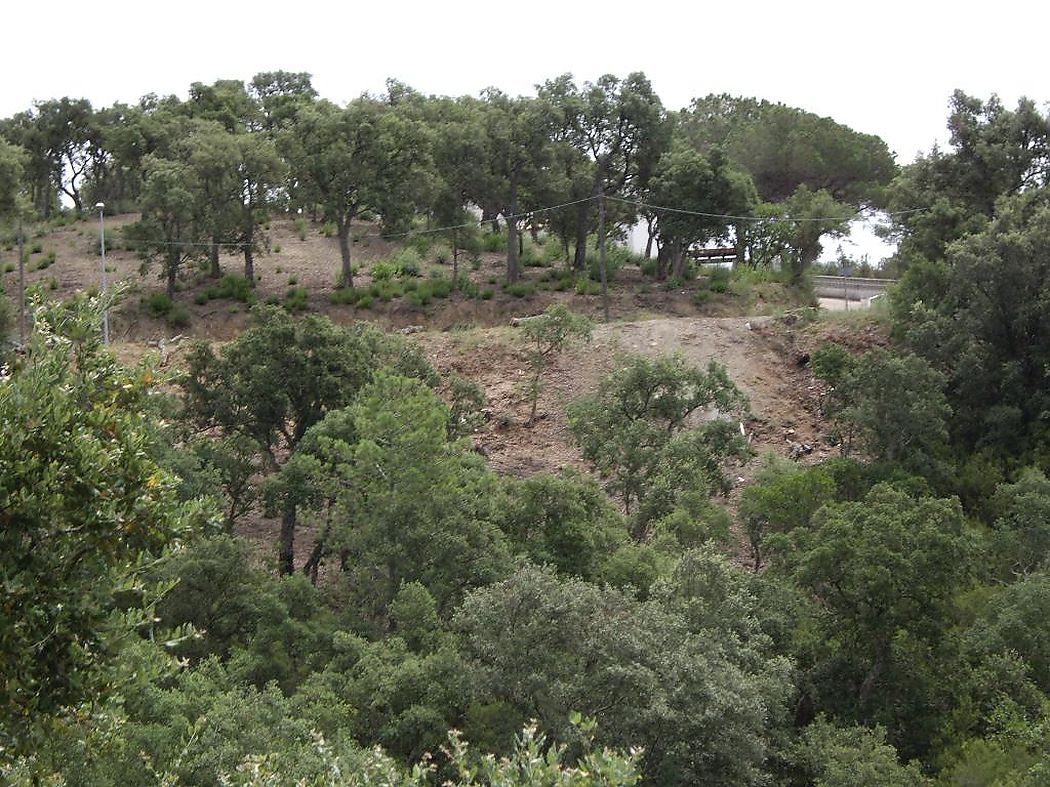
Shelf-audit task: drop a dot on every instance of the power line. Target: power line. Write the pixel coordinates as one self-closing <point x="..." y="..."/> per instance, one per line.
<point x="547" y="209"/>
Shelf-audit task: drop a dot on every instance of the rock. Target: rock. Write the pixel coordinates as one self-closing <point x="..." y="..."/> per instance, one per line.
<point x="411" y="329"/>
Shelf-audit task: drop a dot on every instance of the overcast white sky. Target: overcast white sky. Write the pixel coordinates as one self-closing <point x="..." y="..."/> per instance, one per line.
<point x="885" y="68"/>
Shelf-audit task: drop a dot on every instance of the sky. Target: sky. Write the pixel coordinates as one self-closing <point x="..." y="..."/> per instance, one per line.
<point x="886" y="69"/>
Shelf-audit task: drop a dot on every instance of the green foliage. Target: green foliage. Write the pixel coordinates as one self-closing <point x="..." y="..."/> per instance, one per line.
<point x="296" y="299"/>
<point x="783" y="497"/>
<point x="851" y="757"/>
<point x="685" y="677"/>
<point x="894" y="404"/>
<point x="563" y="521"/>
<point x="84" y="508"/>
<point x="967" y="319"/>
<point x="634" y="431"/>
<point x="158" y="304"/>
<point x="547" y="335"/>
<point x="231" y="287"/>
<point x="520" y="289"/>
<point x="885" y="572"/>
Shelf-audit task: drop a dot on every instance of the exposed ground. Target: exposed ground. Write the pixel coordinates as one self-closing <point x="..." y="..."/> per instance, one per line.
<point x="765" y="355"/>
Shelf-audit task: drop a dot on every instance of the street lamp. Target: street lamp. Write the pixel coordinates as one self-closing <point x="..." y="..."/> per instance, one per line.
<point x="102" y="246"/>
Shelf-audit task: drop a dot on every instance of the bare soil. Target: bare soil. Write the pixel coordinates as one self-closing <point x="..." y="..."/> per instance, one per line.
<point x="766" y="356"/>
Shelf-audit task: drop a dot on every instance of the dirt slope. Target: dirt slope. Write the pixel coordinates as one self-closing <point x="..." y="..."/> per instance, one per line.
<point x="757" y="352"/>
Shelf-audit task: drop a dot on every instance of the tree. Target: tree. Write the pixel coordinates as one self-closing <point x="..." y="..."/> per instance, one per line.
<point x="782" y="498"/>
<point x="619" y="126"/>
<point x="281" y="94"/>
<point x="686" y="677"/>
<point x="547" y="335"/>
<point x="980" y="320"/>
<point x="85" y="508"/>
<point x="518" y="141"/>
<point x="564" y="521"/>
<point x="885" y="572"/>
<point x="633" y="430"/>
<point x="361" y="158"/>
<point x="274" y="382"/>
<point x="993" y="153"/>
<point x="832" y="756"/>
<point x="894" y="404"/>
<point x="12" y="167"/>
<point x="783" y="148"/>
<point x="412" y="506"/>
<point x="701" y="184"/>
<point x="169" y="230"/>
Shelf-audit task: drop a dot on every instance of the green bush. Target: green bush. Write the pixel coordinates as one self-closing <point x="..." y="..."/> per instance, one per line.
<point x="365" y="301"/>
<point x="36" y="248"/>
<point x="345" y="296"/>
<point x="293" y="280"/>
<point x="382" y="270"/>
<point x="328" y="229"/>
<point x="494" y="241"/>
<point x="158" y="304"/>
<point x="232" y="287"/>
<point x="295" y="299"/>
<point x="486" y="295"/>
<point x="585" y="286"/>
<point x="718" y="279"/>
<point x="300" y="228"/>
<point x="408" y="262"/>
<point x="9" y="267"/>
<point x="520" y="289"/>
<point x="277" y="248"/>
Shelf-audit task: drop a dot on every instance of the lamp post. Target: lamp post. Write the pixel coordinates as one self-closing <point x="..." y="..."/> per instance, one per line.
<point x="102" y="247"/>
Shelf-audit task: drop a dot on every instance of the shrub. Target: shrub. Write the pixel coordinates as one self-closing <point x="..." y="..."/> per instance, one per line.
<point x="9" y="267"/>
<point x="407" y="262"/>
<point x="36" y="248"/>
<point x="328" y="229"/>
<point x="232" y="287"/>
<point x="718" y="279"/>
<point x="494" y="241"/>
<point x="158" y="304"/>
<point x="295" y="299"/>
<point x="486" y="295"/>
<point x="520" y="289"/>
<point x="277" y="248"/>
<point x="293" y="280"/>
<point x="382" y="270"/>
<point x="365" y="301"/>
<point x="585" y="286"/>
<point x="300" y="228"/>
<point x="345" y="296"/>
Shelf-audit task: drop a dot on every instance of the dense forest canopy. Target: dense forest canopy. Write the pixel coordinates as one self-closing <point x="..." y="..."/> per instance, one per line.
<point x="414" y="617"/>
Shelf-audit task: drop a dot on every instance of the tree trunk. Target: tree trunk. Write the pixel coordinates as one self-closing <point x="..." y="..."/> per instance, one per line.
<point x="286" y="548"/>
<point x="579" y="262"/>
<point x="651" y="233"/>
<point x="663" y="257"/>
<point x="213" y="255"/>
<point x="249" y="253"/>
<point x="172" y="271"/>
<point x="513" y="273"/>
<point x="601" y="255"/>
<point x="249" y="264"/>
<point x="346" y="279"/>
<point x="677" y="260"/>
<point x="488" y="216"/>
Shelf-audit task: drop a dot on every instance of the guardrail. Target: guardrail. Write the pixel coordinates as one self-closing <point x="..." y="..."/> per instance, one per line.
<point x="850" y="288"/>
